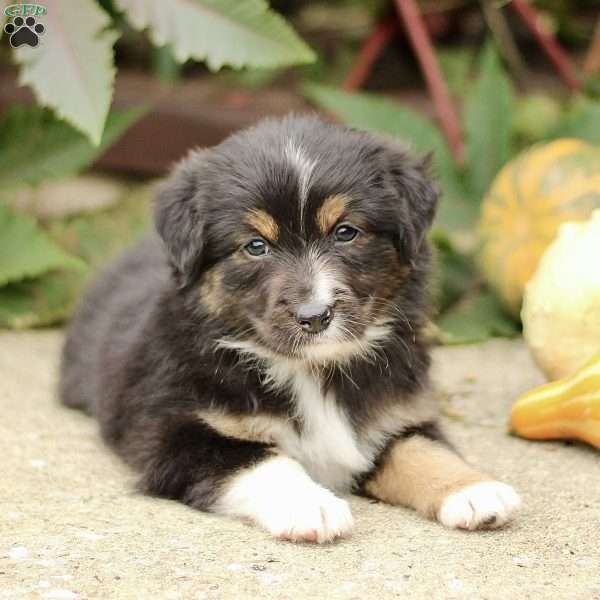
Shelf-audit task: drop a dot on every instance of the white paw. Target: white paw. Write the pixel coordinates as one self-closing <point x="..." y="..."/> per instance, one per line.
<point x="315" y="515"/>
<point x="279" y="495"/>
<point x="480" y="505"/>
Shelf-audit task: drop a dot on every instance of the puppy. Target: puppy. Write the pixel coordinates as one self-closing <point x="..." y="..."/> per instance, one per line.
<point x="264" y="351"/>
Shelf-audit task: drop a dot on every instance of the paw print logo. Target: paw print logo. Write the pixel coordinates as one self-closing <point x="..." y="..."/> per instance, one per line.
<point x="24" y="31"/>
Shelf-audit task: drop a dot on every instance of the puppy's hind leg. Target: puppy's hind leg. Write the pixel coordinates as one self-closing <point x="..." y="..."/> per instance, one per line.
<point x="245" y="479"/>
<point x="420" y="470"/>
<point x="75" y="387"/>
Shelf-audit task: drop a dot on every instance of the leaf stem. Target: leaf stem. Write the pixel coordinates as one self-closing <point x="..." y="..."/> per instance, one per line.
<point x="369" y="53"/>
<point x="546" y="40"/>
<point x="419" y="38"/>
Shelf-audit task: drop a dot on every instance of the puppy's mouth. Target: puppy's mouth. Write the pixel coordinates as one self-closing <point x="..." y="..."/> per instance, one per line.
<point x="337" y="340"/>
<point x="316" y="334"/>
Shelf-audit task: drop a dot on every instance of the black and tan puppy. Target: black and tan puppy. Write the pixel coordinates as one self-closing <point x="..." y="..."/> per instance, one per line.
<point x="264" y="352"/>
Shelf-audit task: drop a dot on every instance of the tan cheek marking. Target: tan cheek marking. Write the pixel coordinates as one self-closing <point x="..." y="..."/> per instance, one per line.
<point x="421" y="473"/>
<point x="264" y="223"/>
<point x="331" y="210"/>
<point x="211" y="291"/>
<point x="254" y="428"/>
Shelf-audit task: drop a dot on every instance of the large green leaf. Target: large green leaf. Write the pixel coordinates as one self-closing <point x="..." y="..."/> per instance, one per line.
<point x="37" y="146"/>
<point x="72" y="70"/>
<point x="377" y="113"/>
<point x="26" y="251"/>
<point x="238" y="33"/>
<point x="95" y="238"/>
<point x="488" y="120"/>
<point x="380" y="114"/>
<point x="476" y="318"/>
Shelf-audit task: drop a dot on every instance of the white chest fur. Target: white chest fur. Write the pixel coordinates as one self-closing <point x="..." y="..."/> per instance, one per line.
<point x="327" y="445"/>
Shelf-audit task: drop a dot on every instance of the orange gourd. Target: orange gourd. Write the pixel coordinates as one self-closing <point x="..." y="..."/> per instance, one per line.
<point x="567" y="408"/>
<point x="529" y="199"/>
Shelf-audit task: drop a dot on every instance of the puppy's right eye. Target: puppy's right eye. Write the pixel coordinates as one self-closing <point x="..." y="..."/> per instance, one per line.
<point x="257" y="247"/>
<point x="345" y="233"/>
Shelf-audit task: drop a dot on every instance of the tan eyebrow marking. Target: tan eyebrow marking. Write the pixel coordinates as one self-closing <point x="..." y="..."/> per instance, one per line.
<point x="331" y="210"/>
<point x="264" y="223"/>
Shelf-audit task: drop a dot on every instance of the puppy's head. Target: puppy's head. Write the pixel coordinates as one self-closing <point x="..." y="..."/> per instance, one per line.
<point x="301" y="238"/>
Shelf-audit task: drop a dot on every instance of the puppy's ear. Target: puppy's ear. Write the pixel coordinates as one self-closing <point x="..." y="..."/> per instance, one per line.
<point x="417" y="195"/>
<point x="179" y="218"/>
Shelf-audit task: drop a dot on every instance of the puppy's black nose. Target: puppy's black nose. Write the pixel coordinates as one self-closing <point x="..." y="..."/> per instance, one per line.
<point x="314" y="318"/>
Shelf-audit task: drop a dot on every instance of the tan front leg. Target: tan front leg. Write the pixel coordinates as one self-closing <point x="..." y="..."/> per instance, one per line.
<point x="425" y="475"/>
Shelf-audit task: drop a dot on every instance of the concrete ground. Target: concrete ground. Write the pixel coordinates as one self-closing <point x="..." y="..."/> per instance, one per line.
<point x="71" y="525"/>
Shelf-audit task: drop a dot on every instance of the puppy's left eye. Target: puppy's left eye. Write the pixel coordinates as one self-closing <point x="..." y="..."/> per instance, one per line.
<point x="256" y="247"/>
<point x="345" y="233"/>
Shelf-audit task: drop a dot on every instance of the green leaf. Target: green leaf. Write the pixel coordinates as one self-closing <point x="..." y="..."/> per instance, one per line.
<point x="379" y="114"/>
<point x="37" y="146"/>
<point x="96" y="238"/>
<point x="474" y="319"/>
<point x="581" y="121"/>
<point x="376" y="113"/>
<point x="38" y="302"/>
<point x="238" y="33"/>
<point x="26" y="251"/>
<point x="456" y="64"/>
<point x="164" y="65"/>
<point x="72" y="70"/>
<point x="488" y="120"/>
<point x="453" y="273"/>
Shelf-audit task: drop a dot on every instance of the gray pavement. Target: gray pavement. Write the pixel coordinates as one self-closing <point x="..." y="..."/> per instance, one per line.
<point x="71" y="525"/>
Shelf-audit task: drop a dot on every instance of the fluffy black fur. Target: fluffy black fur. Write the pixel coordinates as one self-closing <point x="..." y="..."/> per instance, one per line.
<point x="143" y="353"/>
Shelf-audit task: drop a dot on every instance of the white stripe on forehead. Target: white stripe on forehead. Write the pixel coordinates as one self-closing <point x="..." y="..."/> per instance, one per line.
<point x="323" y="281"/>
<point x="322" y="287"/>
<point x="303" y="166"/>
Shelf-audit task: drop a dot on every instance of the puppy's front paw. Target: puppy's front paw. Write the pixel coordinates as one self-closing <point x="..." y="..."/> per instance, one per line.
<point x="280" y="496"/>
<point x="478" y="506"/>
<point x="315" y="515"/>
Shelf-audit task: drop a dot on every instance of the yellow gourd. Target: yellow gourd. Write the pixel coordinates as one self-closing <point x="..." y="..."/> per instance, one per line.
<point x="567" y="408"/>
<point x="547" y="185"/>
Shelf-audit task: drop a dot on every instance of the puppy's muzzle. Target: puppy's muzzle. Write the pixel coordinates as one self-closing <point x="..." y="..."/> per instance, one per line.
<point x="314" y="318"/>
